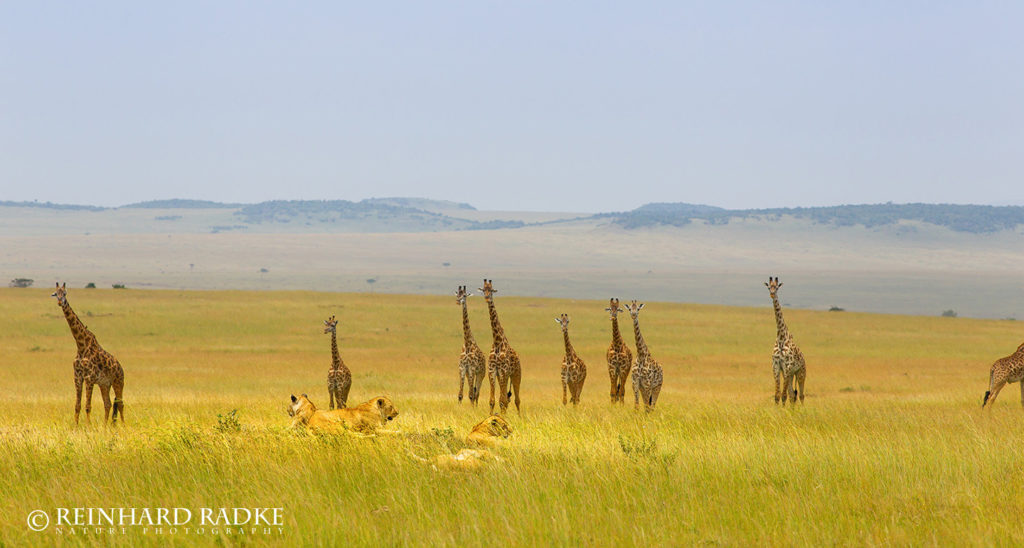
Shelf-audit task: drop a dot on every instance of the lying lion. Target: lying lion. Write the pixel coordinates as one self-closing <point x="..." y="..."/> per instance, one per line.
<point x="364" y="418"/>
<point x="489" y="432"/>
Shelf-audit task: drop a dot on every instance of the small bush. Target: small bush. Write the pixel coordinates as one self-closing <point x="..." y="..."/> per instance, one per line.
<point x="21" y="282"/>
<point x="638" y="448"/>
<point x="228" y="422"/>
<point x="835" y="308"/>
<point x="949" y="313"/>
<point x="118" y="286"/>
<point x="90" y="285"/>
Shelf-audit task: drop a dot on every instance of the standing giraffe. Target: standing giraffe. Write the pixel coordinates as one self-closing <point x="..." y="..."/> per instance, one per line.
<point x="647" y="373"/>
<point x="93" y="365"/>
<point x="1004" y="370"/>
<point x="574" y="371"/>
<point x="339" y="378"/>
<point x="472" y="364"/>
<point x="620" y="358"/>
<point x="502" y="363"/>
<point x="787" y="360"/>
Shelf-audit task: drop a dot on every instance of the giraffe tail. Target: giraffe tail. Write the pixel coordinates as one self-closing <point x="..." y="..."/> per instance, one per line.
<point x="989" y="391"/>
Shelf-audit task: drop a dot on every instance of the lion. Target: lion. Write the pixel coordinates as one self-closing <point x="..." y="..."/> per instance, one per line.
<point x="364" y="418"/>
<point x="489" y="431"/>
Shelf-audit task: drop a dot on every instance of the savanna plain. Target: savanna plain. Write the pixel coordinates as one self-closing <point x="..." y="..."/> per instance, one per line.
<point x="891" y="446"/>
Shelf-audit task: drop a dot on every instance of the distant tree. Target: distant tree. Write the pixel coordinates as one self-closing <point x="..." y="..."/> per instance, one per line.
<point x="949" y="313"/>
<point x="90" y="285"/>
<point x="835" y="308"/>
<point x="118" y="286"/>
<point x="371" y="281"/>
<point x="21" y="282"/>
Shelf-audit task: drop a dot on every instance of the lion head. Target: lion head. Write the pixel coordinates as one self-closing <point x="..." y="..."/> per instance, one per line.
<point x="385" y="408"/>
<point x="496" y="426"/>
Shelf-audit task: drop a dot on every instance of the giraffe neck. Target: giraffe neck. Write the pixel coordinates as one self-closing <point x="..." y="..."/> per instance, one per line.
<point x="467" y="334"/>
<point x="83" y="337"/>
<point x="641" y="346"/>
<point x="617" y="341"/>
<point x="570" y="353"/>
<point x="780" y="324"/>
<point x="335" y="356"/>
<point x="496" y="330"/>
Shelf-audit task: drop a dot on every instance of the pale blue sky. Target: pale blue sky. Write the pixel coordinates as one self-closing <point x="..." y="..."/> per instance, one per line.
<point x="580" y="106"/>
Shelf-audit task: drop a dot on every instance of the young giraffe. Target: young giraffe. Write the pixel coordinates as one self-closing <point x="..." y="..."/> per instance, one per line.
<point x="472" y="364"/>
<point x="1004" y="370"/>
<point x="787" y="360"/>
<point x="620" y="358"/>
<point x="502" y="363"/>
<point x="574" y="371"/>
<point x="339" y="378"/>
<point x="93" y="365"/>
<point x="647" y="373"/>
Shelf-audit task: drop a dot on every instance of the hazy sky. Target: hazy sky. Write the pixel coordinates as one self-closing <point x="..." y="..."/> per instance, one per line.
<point x="577" y="106"/>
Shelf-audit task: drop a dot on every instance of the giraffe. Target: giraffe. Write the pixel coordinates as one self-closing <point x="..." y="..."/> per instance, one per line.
<point x="1004" y="370"/>
<point x="93" y="366"/>
<point x="647" y="373"/>
<point x="339" y="378"/>
<point x="787" y="360"/>
<point x="472" y="363"/>
<point x="503" y="365"/>
<point x="574" y="371"/>
<point x="620" y="358"/>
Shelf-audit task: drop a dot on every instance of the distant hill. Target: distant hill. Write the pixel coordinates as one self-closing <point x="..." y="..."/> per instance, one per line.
<point x="961" y="218"/>
<point x="182" y="204"/>
<point x="425" y="204"/>
<point x="50" y="205"/>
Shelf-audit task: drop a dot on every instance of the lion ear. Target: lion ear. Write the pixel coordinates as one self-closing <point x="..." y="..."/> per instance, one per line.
<point x="294" y="399"/>
<point x="305" y="396"/>
<point x="380" y="402"/>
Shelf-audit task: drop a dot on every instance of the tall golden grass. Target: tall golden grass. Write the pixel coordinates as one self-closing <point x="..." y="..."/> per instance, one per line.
<point x="891" y="446"/>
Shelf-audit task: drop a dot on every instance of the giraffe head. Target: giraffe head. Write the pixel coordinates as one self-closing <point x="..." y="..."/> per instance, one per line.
<point x="773" y="285"/>
<point x="61" y="294"/>
<point x="634" y="309"/>
<point x="563" y="321"/>
<point x="461" y="295"/>
<point x="613" y="308"/>
<point x="488" y="290"/>
<point x="330" y="325"/>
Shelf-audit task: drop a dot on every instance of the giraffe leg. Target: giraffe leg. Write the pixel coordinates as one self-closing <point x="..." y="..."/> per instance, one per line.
<point x="787" y="380"/>
<point x="802" y="375"/>
<point x="88" y="403"/>
<point x="516" y="378"/>
<point x="778" y="393"/>
<point x="342" y="397"/>
<point x="477" y="383"/>
<point x="490" y="377"/>
<point x="564" y="389"/>
<point x="105" y="394"/>
<point x="78" y="397"/>
<point x="622" y="386"/>
<point x="636" y="394"/>
<point x="330" y="391"/>
<point x="462" y="382"/>
<point x="118" y="401"/>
